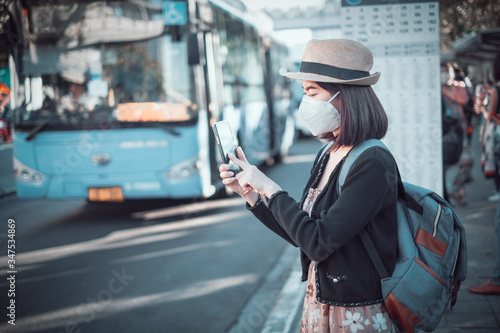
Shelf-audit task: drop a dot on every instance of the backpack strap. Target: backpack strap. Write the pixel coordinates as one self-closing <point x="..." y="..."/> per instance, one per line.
<point x="373" y="254"/>
<point x="353" y="155"/>
<point x="363" y="234"/>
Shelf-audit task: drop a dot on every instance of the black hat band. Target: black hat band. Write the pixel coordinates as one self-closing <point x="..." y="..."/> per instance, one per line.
<point x="332" y="71"/>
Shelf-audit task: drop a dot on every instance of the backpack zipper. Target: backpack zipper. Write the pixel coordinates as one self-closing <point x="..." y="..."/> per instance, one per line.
<point x="456" y="256"/>
<point x="436" y="220"/>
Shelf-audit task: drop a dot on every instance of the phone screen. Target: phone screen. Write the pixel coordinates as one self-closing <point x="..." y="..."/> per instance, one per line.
<point x="225" y="141"/>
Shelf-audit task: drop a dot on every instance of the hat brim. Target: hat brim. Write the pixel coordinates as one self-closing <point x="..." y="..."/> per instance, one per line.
<point x="364" y="81"/>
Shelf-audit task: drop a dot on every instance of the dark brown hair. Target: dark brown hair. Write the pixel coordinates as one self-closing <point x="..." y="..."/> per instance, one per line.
<point x="362" y="116"/>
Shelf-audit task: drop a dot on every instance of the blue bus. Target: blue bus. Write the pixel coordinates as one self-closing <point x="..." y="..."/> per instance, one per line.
<point x="117" y="98"/>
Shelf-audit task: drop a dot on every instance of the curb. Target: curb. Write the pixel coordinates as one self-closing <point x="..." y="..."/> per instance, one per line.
<point x="286" y="315"/>
<point x="273" y="306"/>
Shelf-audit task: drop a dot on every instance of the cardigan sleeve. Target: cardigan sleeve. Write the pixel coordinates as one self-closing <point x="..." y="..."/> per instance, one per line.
<point x="264" y="214"/>
<point x="364" y="195"/>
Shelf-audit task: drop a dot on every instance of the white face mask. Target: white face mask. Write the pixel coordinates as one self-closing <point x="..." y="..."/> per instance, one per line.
<point x="320" y="116"/>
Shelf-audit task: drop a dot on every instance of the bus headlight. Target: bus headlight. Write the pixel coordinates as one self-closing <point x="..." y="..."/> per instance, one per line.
<point x="26" y="174"/>
<point x="185" y="169"/>
<point x="36" y="178"/>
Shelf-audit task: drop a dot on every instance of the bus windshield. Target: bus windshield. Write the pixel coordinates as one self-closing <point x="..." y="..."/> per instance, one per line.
<point x="125" y="82"/>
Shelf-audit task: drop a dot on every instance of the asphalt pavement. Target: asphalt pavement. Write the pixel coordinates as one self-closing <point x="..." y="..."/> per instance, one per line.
<point x="473" y="313"/>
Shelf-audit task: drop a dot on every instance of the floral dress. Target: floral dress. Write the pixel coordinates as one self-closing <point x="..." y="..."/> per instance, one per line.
<point x="318" y="317"/>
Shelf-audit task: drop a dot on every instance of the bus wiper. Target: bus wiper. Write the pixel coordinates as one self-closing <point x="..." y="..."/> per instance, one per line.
<point x="39" y="127"/>
<point x="165" y="127"/>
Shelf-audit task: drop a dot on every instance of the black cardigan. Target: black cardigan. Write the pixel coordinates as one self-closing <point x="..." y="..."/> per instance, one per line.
<point x="345" y="275"/>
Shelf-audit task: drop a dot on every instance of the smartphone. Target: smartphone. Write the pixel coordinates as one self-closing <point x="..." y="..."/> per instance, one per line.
<point x="226" y="143"/>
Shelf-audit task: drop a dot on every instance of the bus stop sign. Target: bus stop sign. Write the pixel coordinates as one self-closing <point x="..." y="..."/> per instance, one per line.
<point x="174" y="13"/>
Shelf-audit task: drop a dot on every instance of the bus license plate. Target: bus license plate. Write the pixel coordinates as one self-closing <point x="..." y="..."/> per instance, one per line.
<point x="105" y="194"/>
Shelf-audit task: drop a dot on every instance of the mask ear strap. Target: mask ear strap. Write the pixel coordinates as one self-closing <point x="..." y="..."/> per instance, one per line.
<point x="331" y="99"/>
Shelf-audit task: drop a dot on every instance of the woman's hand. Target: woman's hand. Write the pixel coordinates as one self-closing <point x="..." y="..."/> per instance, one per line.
<point x="252" y="178"/>
<point x="249" y="182"/>
<point x="230" y="181"/>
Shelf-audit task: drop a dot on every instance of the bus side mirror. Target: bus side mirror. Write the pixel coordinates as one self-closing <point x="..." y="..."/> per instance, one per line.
<point x="196" y="49"/>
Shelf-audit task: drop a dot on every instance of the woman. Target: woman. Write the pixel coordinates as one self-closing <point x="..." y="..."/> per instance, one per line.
<point x="339" y="105"/>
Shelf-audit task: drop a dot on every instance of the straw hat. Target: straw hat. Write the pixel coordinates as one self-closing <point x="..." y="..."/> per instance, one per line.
<point x="337" y="61"/>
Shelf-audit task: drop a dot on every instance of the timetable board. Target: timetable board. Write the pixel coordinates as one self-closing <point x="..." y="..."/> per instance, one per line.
<point x="404" y="39"/>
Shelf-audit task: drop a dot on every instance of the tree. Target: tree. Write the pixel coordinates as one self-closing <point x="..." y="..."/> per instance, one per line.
<point x="460" y="17"/>
<point x="4" y="16"/>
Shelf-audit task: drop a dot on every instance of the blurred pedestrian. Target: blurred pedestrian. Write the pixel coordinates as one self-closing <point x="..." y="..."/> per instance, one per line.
<point x="491" y="115"/>
<point x="468" y="108"/>
<point x="487" y="136"/>
<point x="339" y="105"/>
<point x="490" y="132"/>
<point x="454" y="97"/>
<point x="4" y="96"/>
<point x="5" y="113"/>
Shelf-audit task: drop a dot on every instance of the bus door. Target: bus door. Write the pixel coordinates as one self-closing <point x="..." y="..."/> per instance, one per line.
<point x="214" y="76"/>
<point x="268" y="85"/>
<point x="215" y="96"/>
<point x="204" y="54"/>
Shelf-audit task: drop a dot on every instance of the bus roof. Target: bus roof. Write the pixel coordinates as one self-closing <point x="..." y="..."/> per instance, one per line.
<point x="260" y="21"/>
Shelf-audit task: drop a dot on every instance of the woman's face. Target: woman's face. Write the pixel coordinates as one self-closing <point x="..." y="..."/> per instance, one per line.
<point x="312" y="89"/>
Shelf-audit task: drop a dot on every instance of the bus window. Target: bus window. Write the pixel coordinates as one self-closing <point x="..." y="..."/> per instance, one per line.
<point x="241" y="64"/>
<point x="109" y="84"/>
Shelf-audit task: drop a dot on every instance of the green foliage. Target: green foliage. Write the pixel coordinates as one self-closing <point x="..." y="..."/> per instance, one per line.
<point x="4" y="17"/>
<point x="460" y="17"/>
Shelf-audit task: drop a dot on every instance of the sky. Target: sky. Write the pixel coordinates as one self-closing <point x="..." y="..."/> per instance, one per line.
<point x="284" y="4"/>
<point x="297" y="38"/>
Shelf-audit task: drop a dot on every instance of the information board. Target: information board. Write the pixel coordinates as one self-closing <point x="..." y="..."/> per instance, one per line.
<point x="404" y="39"/>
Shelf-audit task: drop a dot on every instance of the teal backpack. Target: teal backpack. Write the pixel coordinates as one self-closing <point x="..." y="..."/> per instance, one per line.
<point x="432" y="254"/>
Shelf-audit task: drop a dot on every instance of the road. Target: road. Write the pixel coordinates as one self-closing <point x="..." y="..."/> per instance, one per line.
<point x="143" y="266"/>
